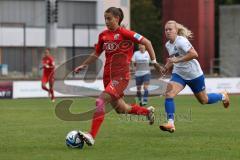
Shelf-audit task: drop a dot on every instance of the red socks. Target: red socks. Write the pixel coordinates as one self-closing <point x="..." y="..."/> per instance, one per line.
<point x="136" y="109"/>
<point x="96" y="123"/>
<point x="51" y="93"/>
<point x="98" y="117"/>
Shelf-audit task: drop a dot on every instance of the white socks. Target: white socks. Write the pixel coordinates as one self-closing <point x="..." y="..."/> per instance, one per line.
<point x="171" y="121"/>
<point x="223" y="97"/>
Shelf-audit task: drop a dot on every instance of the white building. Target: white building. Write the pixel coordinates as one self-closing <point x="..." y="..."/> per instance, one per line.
<point x="22" y="30"/>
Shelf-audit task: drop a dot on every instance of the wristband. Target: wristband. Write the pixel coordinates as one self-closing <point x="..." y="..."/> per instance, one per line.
<point x="153" y="61"/>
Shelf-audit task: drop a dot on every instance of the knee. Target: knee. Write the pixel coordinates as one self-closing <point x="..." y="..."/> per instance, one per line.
<point x="145" y="88"/>
<point x="120" y="110"/>
<point x="43" y="86"/>
<point x="203" y="100"/>
<point x="169" y="95"/>
<point x="139" y="89"/>
<point x="100" y="105"/>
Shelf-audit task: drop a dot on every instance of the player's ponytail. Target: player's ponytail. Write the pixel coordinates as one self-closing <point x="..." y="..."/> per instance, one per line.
<point x="116" y="12"/>
<point x="183" y="31"/>
<point x="121" y="16"/>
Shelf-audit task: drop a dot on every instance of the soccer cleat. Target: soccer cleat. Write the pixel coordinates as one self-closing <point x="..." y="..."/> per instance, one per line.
<point x="167" y="127"/>
<point x="150" y="115"/>
<point x="144" y="103"/>
<point x="226" y="101"/>
<point x="87" y="137"/>
<point x="52" y="99"/>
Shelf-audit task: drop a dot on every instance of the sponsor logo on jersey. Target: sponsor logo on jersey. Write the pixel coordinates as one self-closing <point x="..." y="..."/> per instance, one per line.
<point x="137" y="36"/>
<point x="114" y="83"/>
<point x="113" y="46"/>
<point x="110" y="46"/>
<point x="116" y="36"/>
<point x="175" y="48"/>
<point x="176" y="54"/>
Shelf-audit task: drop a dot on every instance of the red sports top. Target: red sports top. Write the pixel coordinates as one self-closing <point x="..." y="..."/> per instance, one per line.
<point x="118" y="47"/>
<point x="48" y="60"/>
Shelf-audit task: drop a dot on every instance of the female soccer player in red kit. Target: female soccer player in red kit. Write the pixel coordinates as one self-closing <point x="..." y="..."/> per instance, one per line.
<point x="117" y="42"/>
<point x="48" y="73"/>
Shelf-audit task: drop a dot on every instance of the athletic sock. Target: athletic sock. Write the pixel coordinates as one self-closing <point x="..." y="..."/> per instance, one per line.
<point x="136" y="109"/>
<point x="214" y="97"/>
<point x="171" y="121"/>
<point x="170" y="108"/>
<point x="145" y="96"/>
<point x="139" y="95"/>
<point x="52" y="93"/>
<point x="98" y="117"/>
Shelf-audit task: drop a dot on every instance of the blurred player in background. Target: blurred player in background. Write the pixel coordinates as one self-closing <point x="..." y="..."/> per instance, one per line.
<point x="117" y="42"/>
<point x="48" y="66"/>
<point x="186" y="71"/>
<point x="141" y="60"/>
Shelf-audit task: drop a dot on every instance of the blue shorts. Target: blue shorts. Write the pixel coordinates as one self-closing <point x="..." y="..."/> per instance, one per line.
<point x="141" y="79"/>
<point x="197" y="85"/>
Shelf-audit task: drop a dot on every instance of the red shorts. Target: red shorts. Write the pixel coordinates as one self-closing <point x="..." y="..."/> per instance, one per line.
<point x="115" y="87"/>
<point x="48" y="78"/>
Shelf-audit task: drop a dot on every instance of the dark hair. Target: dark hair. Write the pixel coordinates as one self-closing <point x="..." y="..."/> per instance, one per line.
<point x="116" y="12"/>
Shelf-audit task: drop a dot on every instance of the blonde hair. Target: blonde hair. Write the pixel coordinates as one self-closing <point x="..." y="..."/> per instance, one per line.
<point x="182" y="30"/>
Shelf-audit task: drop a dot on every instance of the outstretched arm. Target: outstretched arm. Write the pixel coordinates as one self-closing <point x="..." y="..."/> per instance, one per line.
<point x="149" y="48"/>
<point x="168" y="65"/>
<point x="92" y="58"/>
<point x="147" y="43"/>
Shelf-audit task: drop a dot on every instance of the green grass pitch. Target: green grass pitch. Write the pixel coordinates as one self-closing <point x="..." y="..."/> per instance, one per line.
<point x="29" y="129"/>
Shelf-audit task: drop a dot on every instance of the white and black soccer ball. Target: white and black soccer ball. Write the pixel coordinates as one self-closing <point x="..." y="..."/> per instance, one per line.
<point x="74" y="140"/>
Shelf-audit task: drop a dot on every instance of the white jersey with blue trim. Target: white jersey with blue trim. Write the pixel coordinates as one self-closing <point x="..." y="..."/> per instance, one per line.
<point x="142" y="61"/>
<point x="187" y="70"/>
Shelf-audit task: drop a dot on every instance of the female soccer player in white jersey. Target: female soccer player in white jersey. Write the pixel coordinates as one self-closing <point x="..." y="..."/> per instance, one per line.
<point x="186" y="71"/>
<point x="141" y="60"/>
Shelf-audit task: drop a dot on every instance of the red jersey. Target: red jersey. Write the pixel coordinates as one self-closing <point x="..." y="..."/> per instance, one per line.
<point x="48" y="60"/>
<point x="118" y="46"/>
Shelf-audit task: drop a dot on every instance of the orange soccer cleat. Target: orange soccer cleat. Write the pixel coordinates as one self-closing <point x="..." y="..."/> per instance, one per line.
<point x="226" y="101"/>
<point x="168" y="127"/>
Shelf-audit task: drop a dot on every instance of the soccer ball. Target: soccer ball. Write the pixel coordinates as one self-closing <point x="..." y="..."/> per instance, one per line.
<point x="74" y="140"/>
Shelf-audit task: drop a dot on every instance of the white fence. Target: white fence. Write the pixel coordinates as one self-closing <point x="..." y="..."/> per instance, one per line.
<point x="32" y="89"/>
